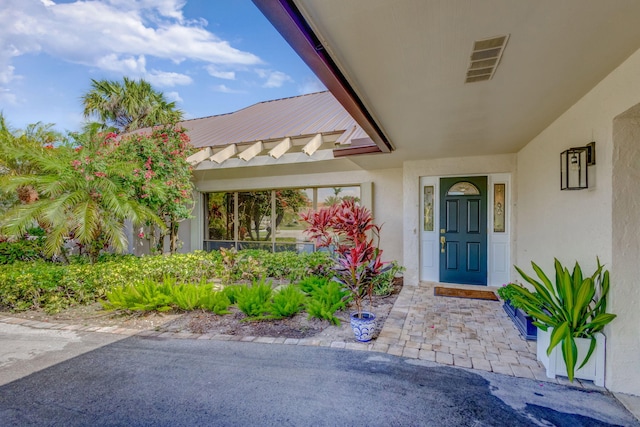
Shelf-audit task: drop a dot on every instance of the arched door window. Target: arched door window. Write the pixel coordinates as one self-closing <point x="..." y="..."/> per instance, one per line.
<point x="463" y="188"/>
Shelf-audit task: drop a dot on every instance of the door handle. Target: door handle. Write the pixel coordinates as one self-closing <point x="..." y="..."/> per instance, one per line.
<point x="442" y="242"/>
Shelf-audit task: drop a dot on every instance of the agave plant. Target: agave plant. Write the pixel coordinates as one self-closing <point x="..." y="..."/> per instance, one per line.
<point x="575" y="307"/>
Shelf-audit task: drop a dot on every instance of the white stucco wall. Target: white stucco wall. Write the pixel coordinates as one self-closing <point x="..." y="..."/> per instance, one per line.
<point x="458" y="166"/>
<point x="386" y="197"/>
<point x="577" y="225"/>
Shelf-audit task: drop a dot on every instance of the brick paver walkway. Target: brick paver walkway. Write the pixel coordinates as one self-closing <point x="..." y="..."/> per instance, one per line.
<point x="469" y="333"/>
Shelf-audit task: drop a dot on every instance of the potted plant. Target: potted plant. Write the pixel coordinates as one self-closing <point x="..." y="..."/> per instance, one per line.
<point x="385" y="283"/>
<point x="520" y="318"/>
<point x="572" y="313"/>
<point x="347" y="229"/>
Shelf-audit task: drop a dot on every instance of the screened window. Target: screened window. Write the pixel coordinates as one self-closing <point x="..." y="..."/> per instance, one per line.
<point x="267" y="219"/>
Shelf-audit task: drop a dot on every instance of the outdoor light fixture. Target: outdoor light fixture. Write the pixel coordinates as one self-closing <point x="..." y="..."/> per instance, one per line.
<point x="574" y="171"/>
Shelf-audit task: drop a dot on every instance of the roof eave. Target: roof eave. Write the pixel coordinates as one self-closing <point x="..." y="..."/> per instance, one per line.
<point x="285" y="16"/>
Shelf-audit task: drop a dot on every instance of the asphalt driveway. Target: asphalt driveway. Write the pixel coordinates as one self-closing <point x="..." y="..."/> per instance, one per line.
<point x="170" y="382"/>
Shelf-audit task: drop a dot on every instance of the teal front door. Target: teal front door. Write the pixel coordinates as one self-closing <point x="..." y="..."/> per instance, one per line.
<point x="463" y="230"/>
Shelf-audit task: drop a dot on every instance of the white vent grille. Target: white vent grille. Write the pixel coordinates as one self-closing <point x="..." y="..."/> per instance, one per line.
<point x="485" y="58"/>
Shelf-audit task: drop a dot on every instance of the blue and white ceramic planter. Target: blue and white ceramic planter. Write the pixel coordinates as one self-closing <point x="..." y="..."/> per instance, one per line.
<point x="363" y="327"/>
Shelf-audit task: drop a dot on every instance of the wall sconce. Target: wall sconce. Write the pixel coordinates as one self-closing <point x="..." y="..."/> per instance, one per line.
<point x="574" y="171"/>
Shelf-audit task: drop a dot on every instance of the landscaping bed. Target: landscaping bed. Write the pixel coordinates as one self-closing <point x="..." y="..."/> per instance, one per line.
<point x="202" y="322"/>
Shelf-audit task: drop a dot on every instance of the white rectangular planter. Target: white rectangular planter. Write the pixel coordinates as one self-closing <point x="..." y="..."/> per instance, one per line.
<point x="593" y="370"/>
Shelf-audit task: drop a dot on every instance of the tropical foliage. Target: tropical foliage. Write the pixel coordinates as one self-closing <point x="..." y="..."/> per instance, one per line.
<point x="33" y="137"/>
<point x="575" y="306"/>
<point x="167" y="295"/>
<point x="82" y="192"/>
<point x="162" y="181"/>
<point x="509" y="291"/>
<point x="53" y="286"/>
<point x="128" y="105"/>
<point x="345" y="230"/>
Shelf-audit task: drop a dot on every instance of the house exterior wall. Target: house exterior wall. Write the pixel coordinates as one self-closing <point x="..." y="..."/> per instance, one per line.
<point x="458" y="166"/>
<point x="381" y="191"/>
<point x="580" y="225"/>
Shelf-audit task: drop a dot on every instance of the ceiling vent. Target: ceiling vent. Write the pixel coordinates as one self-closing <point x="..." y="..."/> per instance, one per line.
<point x="485" y="58"/>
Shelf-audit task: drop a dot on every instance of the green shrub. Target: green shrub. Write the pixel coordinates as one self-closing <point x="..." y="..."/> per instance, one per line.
<point x="232" y="291"/>
<point x="240" y="265"/>
<point x="314" y="264"/>
<point x="53" y="287"/>
<point x="187" y="296"/>
<point x="383" y="282"/>
<point x="21" y="250"/>
<point x="326" y="300"/>
<point x="508" y="292"/>
<point x="145" y="296"/>
<point x="255" y="300"/>
<point x="309" y="284"/>
<point x="37" y="285"/>
<point x="287" y="302"/>
<point x="216" y="302"/>
<point x="290" y="265"/>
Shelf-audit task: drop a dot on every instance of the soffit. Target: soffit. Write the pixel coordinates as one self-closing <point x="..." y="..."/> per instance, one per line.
<point x="407" y="60"/>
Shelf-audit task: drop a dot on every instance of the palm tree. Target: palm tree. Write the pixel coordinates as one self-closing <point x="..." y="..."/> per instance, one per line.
<point x="83" y="195"/>
<point x="34" y="137"/>
<point x="128" y="105"/>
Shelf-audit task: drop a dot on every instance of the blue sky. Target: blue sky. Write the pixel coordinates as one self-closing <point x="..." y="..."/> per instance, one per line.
<point x="210" y="56"/>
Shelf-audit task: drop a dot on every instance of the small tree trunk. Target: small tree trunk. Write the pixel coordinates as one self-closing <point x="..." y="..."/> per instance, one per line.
<point x="173" y="245"/>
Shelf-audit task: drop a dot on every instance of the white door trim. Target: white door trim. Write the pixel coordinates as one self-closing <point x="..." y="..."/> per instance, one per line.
<point x="498" y="243"/>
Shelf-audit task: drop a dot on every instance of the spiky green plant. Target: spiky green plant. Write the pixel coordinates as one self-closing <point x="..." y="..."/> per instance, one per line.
<point x="325" y="300"/>
<point x="187" y="296"/>
<point x="216" y="302"/>
<point x="145" y="296"/>
<point x="287" y="302"/>
<point x="255" y="300"/>
<point x="310" y="283"/>
<point x="574" y="306"/>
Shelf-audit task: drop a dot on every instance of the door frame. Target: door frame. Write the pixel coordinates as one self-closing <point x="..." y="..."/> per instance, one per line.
<point x="499" y="244"/>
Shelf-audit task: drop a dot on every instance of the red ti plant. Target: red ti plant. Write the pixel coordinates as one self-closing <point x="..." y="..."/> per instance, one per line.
<point x="347" y="229"/>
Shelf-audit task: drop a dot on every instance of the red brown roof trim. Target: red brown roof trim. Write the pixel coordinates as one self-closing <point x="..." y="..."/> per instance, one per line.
<point x="285" y="16"/>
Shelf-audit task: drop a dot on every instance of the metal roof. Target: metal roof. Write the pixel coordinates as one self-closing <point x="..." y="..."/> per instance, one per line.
<point x="315" y="113"/>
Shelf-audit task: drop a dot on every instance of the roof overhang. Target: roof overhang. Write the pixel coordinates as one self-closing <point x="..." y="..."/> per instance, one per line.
<point x="405" y="70"/>
<point x="288" y="20"/>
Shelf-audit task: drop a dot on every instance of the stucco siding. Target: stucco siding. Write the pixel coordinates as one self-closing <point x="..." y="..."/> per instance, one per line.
<point x="577" y="225"/>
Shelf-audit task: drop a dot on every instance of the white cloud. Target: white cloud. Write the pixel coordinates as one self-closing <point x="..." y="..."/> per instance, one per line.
<point x="173" y="96"/>
<point x="166" y="8"/>
<point x="311" y="86"/>
<point x="113" y="35"/>
<point x="6" y="75"/>
<point x="128" y="65"/>
<point x="225" y="89"/>
<point x="165" y="79"/>
<point x="215" y="72"/>
<point x="7" y="97"/>
<point x="273" y="78"/>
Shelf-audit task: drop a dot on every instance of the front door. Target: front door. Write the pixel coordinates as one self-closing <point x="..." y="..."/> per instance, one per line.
<point x="463" y="230"/>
